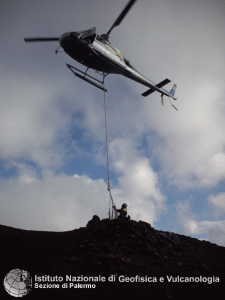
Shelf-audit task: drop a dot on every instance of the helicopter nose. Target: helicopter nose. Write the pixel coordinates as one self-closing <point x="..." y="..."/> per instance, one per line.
<point x="65" y="38"/>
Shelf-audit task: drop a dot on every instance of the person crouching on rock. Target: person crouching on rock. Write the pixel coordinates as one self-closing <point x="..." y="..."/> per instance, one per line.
<point x="123" y="210"/>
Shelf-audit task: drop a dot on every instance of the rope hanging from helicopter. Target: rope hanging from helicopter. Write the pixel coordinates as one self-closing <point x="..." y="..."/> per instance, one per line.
<point x="111" y="202"/>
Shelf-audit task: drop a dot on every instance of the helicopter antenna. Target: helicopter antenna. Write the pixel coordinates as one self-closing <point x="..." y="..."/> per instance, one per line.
<point x="119" y="19"/>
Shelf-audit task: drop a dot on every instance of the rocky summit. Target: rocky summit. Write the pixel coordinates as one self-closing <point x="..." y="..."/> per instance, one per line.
<point x="119" y="257"/>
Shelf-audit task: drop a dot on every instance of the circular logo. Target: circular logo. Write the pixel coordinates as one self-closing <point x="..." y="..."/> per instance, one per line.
<point x="17" y="283"/>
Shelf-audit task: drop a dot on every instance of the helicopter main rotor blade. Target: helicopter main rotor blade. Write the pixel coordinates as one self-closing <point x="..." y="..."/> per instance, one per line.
<point x="40" y="39"/>
<point x="122" y="15"/>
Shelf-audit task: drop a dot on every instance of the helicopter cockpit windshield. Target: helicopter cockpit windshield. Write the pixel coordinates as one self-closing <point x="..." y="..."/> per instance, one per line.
<point x="90" y="39"/>
<point x="89" y="35"/>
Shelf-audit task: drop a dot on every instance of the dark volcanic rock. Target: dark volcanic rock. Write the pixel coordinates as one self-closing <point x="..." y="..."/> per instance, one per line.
<point x="157" y="264"/>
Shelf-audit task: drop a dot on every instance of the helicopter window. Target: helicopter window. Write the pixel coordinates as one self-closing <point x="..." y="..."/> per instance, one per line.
<point x="100" y="39"/>
<point x="90" y="39"/>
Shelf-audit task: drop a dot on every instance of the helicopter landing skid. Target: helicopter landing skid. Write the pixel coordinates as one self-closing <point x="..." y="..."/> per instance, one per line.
<point x="101" y="87"/>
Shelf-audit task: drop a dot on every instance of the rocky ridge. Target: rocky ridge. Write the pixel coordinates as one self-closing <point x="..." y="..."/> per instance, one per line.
<point x="128" y="250"/>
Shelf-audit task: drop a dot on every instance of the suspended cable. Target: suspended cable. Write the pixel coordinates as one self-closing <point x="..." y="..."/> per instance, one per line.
<point x="111" y="202"/>
<point x="106" y="137"/>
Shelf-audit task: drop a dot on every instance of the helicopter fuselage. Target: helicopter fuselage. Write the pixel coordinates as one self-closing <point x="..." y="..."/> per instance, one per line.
<point x="97" y="53"/>
<point x="93" y="52"/>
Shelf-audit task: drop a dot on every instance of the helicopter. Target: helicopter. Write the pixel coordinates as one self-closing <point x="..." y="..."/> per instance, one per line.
<point x="96" y="52"/>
